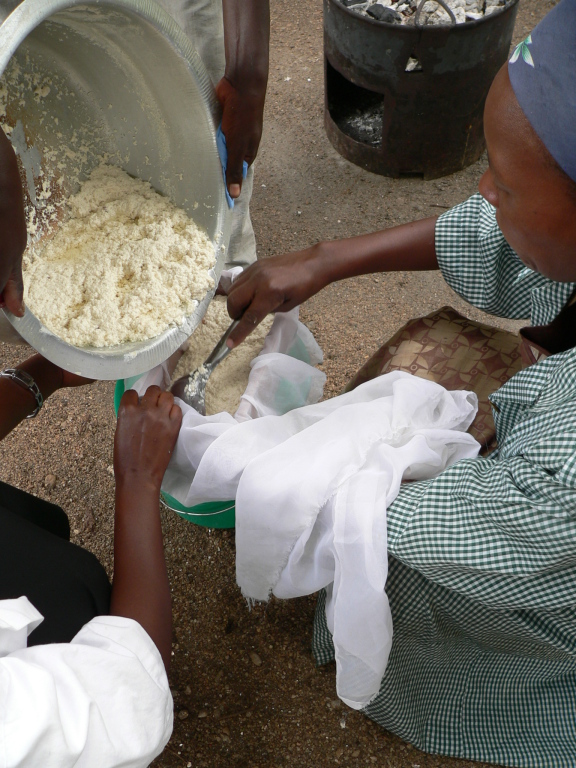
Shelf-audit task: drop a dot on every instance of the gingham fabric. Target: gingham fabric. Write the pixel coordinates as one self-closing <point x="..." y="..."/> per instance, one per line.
<point x="482" y="581"/>
<point x="477" y="262"/>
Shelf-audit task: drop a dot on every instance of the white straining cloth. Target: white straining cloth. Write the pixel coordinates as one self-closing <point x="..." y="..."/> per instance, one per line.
<point x="312" y="485"/>
<point x="311" y="489"/>
<point x="311" y="503"/>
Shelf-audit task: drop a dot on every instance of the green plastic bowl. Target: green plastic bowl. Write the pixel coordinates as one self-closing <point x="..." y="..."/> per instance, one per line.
<point x="212" y="514"/>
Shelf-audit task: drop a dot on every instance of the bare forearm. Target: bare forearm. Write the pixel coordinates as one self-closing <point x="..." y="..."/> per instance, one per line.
<point x="409" y="247"/>
<point x="18" y="403"/>
<point x="141" y="590"/>
<point x="246" y="41"/>
<point x="282" y="283"/>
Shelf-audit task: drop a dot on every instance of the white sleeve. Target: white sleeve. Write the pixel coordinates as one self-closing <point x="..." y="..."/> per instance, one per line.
<point x="101" y="700"/>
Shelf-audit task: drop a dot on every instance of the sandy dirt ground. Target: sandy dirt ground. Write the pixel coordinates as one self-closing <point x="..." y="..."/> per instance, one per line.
<point x="246" y="690"/>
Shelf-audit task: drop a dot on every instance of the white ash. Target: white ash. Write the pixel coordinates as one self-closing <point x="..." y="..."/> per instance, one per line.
<point x="413" y="65"/>
<point x="432" y="12"/>
<point x="364" y="125"/>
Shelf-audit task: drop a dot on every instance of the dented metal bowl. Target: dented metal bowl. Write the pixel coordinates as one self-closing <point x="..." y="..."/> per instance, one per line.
<point x="114" y="78"/>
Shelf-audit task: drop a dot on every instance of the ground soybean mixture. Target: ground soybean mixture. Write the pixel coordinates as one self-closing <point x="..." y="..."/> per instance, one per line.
<point x="228" y="382"/>
<point x="124" y="265"/>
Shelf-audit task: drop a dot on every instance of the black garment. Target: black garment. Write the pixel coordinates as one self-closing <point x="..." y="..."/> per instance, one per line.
<point x="66" y="583"/>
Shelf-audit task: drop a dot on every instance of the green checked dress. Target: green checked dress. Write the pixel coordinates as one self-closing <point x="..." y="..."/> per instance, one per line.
<point x="482" y="581"/>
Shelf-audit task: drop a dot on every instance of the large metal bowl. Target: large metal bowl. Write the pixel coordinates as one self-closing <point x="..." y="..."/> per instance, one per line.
<point x="115" y="77"/>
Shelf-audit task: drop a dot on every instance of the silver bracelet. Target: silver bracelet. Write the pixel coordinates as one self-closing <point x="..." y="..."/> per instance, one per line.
<point x="26" y="381"/>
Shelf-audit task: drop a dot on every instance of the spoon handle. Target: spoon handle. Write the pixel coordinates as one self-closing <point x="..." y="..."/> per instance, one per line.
<point x="220" y="351"/>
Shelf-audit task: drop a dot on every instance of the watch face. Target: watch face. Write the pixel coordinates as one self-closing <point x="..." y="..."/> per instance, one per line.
<point x="26" y="378"/>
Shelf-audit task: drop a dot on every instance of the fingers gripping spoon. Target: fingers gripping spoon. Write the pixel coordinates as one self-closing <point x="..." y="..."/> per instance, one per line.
<point x="195" y="390"/>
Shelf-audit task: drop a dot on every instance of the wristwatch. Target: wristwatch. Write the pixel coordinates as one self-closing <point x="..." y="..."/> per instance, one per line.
<point x="25" y="381"/>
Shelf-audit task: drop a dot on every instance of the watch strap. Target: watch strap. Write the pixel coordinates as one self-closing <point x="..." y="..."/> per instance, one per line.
<point x="24" y="380"/>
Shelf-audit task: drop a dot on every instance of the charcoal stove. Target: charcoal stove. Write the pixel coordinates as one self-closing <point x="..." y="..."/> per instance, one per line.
<point x="424" y="122"/>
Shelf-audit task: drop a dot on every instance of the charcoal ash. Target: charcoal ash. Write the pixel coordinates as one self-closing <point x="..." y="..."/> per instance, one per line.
<point x="381" y="13"/>
<point x="364" y="124"/>
<point x="404" y="11"/>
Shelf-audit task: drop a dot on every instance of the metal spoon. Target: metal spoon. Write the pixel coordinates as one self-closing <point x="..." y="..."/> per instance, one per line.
<point x="194" y="392"/>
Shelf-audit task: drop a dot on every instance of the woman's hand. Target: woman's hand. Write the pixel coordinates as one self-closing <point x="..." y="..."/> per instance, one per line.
<point x="279" y="284"/>
<point x="274" y="285"/>
<point x="145" y="437"/>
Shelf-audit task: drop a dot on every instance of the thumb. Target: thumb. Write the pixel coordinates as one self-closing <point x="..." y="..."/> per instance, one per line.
<point x="234" y="174"/>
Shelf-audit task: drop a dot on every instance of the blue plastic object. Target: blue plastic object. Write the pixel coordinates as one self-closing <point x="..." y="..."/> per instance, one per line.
<point x="223" y="152"/>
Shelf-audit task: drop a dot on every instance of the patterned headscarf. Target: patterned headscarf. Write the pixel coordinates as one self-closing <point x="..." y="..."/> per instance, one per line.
<point x="542" y="71"/>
